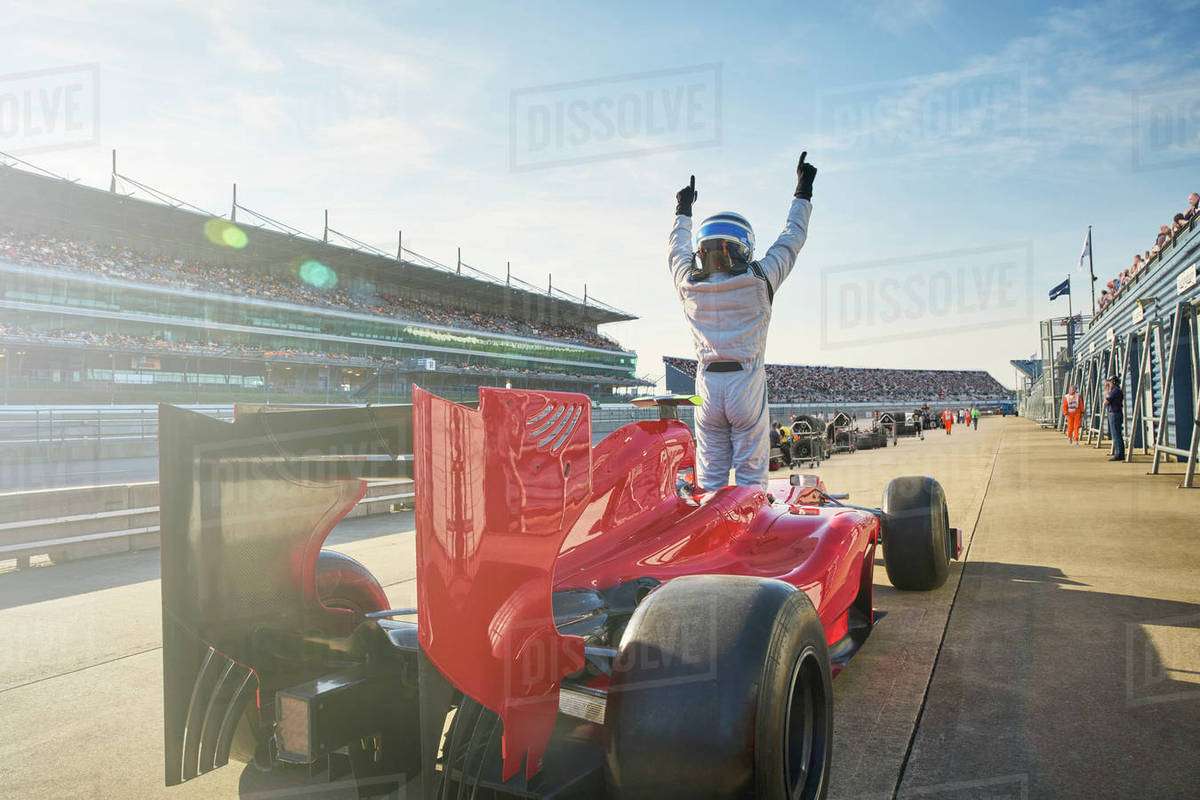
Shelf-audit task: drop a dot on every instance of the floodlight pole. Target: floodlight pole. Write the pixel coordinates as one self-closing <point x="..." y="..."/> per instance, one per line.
<point x="399" y="245"/>
<point x="325" y="236"/>
<point x="507" y="273"/>
<point x="460" y="261"/>
<point x="112" y="182"/>
<point x="233" y="208"/>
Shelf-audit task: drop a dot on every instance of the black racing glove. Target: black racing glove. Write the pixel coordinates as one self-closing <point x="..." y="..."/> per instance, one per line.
<point x="805" y="175"/>
<point x="685" y="197"/>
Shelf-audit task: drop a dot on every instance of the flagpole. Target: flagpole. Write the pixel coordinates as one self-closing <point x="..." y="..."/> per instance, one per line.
<point x="1070" y="322"/>
<point x="1091" y="272"/>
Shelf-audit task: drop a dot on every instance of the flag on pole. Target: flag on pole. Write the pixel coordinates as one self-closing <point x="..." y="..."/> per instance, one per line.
<point x="1061" y="289"/>
<point x="1087" y="250"/>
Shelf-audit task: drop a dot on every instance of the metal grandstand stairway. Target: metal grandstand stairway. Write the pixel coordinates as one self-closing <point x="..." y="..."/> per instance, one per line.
<point x="1181" y="394"/>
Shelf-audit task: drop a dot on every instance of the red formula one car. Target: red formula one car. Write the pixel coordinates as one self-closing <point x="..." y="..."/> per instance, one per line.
<point x="587" y="625"/>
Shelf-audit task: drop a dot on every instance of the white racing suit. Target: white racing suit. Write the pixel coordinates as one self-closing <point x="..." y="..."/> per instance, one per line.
<point x="728" y="316"/>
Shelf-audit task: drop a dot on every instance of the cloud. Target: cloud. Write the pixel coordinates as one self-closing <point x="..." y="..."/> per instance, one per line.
<point x="1037" y="99"/>
<point x="377" y="144"/>
<point x="898" y="16"/>
<point x="235" y="38"/>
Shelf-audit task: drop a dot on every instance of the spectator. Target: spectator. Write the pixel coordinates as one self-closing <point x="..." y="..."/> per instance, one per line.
<point x="119" y="342"/>
<point x="817" y="384"/>
<point x="120" y="263"/>
<point x="1193" y="206"/>
<point x="1114" y="403"/>
<point x="1164" y="236"/>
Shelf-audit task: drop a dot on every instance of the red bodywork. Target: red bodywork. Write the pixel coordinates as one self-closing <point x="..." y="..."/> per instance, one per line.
<point x="513" y="503"/>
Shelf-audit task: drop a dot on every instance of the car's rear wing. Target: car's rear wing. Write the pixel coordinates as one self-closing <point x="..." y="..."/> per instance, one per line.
<point x="497" y="489"/>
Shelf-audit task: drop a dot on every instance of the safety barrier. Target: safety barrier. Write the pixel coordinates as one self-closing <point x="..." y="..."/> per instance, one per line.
<point x="100" y="529"/>
<point x="56" y="425"/>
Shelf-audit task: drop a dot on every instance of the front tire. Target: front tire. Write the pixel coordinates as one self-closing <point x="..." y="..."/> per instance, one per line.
<point x="916" y="527"/>
<point x="722" y="689"/>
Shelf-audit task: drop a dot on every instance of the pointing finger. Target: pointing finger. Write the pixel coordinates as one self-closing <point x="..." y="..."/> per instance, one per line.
<point x="693" y="184"/>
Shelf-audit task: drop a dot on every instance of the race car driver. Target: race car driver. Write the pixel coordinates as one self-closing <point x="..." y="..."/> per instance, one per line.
<point x="726" y="298"/>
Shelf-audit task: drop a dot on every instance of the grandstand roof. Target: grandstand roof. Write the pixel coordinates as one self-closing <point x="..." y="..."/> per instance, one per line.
<point x="1030" y="368"/>
<point x="67" y="209"/>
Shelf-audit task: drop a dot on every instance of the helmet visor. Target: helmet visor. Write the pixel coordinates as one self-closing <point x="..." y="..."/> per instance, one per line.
<point x="719" y="255"/>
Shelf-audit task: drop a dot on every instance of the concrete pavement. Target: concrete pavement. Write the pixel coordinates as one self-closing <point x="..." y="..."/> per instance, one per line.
<point x="1071" y="665"/>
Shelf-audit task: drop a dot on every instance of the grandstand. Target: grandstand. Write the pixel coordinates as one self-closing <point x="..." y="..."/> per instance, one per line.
<point x="107" y="297"/>
<point x="1147" y="334"/>
<point x="798" y="384"/>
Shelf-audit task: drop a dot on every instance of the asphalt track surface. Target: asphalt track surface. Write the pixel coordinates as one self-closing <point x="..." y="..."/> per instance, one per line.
<point x="1062" y="659"/>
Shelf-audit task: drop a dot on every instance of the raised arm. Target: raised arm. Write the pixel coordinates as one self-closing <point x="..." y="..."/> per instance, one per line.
<point x="779" y="259"/>
<point x="679" y="256"/>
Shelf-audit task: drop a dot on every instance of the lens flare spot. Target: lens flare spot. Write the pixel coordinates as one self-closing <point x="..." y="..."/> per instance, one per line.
<point x="225" y="234"/>
<point x="314" y="273"/>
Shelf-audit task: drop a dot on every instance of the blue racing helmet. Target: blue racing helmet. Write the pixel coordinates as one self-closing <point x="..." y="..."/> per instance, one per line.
<point x="724" y="239"/>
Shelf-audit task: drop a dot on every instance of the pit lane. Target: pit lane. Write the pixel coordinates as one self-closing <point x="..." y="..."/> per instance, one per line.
<point x="1030" y="696"/>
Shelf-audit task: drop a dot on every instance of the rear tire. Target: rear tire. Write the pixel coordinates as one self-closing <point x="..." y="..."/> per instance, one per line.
<point x="344" y="583"/>
<point x="722" y="689"/>
<point x="916" y="546"/>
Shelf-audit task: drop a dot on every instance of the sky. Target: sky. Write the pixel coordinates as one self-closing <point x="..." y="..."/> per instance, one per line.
<point x="963" y="149"/>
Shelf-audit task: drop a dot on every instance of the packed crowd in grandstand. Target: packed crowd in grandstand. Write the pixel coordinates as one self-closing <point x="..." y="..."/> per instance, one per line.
<point x="119" y="342"/>
<point x="1143" y="261"/>
<point x="790" y="383"/>
<point x="125" y="264"/>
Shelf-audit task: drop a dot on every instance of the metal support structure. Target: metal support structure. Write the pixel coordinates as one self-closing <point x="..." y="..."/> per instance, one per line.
<point x="1093" y="397"/>
<point x="1140" y="387"/>
<point x="325" y="235"/>
<point x="1185" y="329"/>
<point x="1104" y="361"/>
